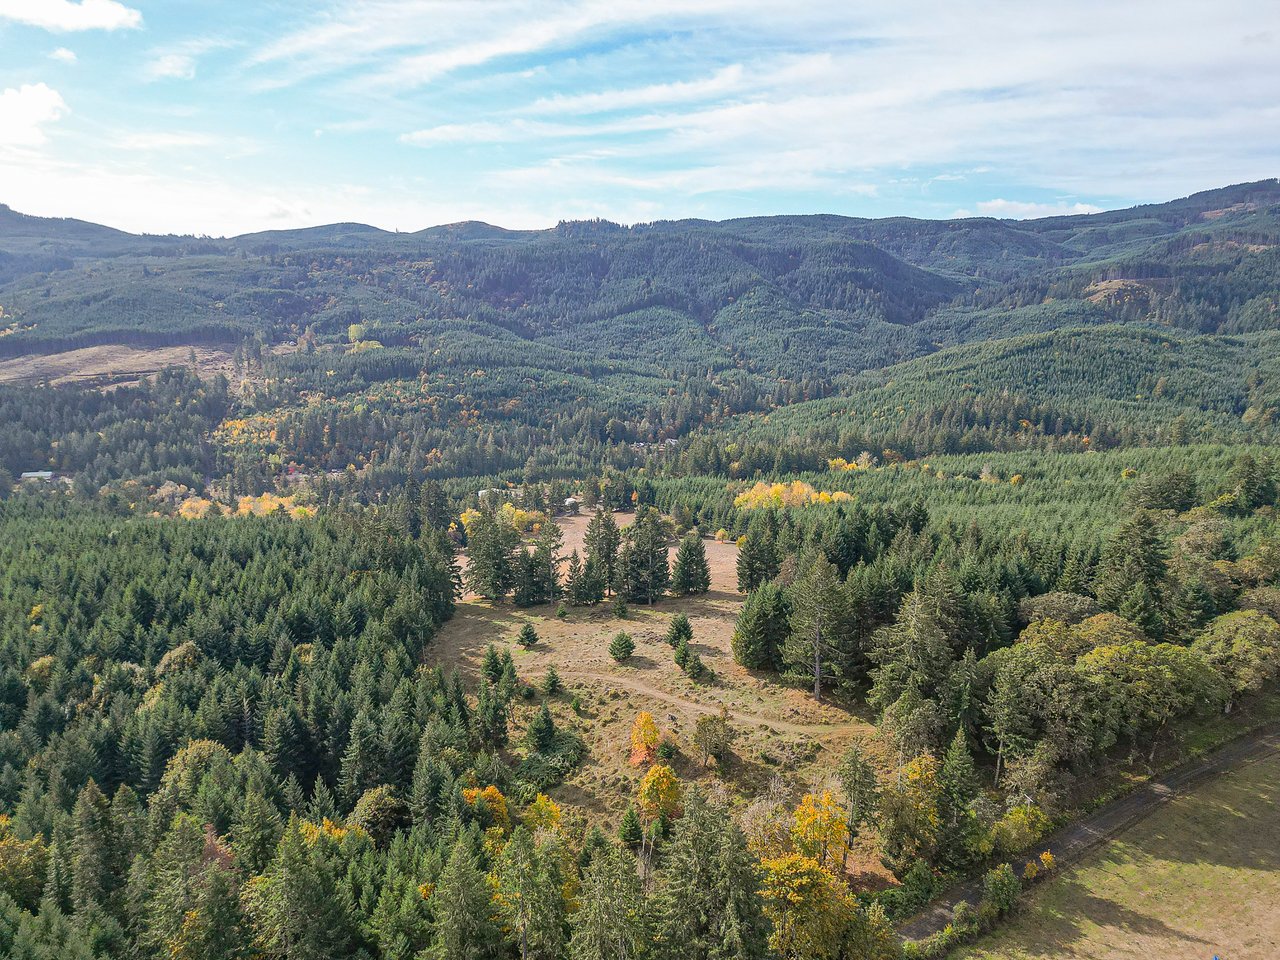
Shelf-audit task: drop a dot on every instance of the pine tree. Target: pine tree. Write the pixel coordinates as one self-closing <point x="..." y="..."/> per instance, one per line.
<point x="490" y="717"/>
<point x="915" y="652"/>
<point x="601" y="541"/>
<point x="859" y="787"/>
<point x="174" y="876"/>
<point x="527" y="636"/>
<point x="490" y="544"/>
<point x="682" y="653"/>
<point x="546" y="561"/>
<point x="526" y="579"/>
<point x="757" y="560"/>
<point x="621" y="646"/>
<point x="958" y="777"/>
<point x="609" y="925"/>
<point x="529" y="891"/>
<point x="573" y="580"/>
<point x="551" y="684"/>
<point x="707" y="902"/>
<point x="679" y="629"/>
<point x="465" y="927"/>
<point x="1133" y="570"/>
<point x="643" y="572"/>
<point x="432" y="785"/>
<point x="691" y="574"/>
<point x="297" y="910"/>
<point x="540" y="736"/>
<point x="630" y="831"/>
<point x="818" y="645"/>
<point x="282" y="740"/>
<point x="491" y="666"/>
<point x="361" y="762"/>
<point x="92" y="858"/>
<point x="762" y="628"/>
<point x="592" y="584"/>
<point x="256" y="832"/>
<point x="213" y="928"/>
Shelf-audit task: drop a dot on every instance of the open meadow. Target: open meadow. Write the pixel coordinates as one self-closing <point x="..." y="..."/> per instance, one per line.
<point x="1196" y="879"/>
<point x="779" y="729"/>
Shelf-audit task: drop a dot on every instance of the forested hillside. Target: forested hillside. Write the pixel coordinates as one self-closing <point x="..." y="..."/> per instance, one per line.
<point x="683" y="590"/>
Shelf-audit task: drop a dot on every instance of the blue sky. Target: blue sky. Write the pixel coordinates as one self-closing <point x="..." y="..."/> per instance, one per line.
<point x="229" y="116"/>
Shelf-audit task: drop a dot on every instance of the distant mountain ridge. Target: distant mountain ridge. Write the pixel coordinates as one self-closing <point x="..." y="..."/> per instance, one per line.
<point x="798" y="299"/>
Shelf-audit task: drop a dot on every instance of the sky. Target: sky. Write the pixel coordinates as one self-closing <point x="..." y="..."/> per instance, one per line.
<point x="219" y="118"/>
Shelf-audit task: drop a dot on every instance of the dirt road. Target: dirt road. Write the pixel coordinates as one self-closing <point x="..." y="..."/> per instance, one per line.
<point x="1071" y="842"/>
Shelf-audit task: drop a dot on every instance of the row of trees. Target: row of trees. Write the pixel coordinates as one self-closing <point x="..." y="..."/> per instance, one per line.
<point x="631" y="563"/>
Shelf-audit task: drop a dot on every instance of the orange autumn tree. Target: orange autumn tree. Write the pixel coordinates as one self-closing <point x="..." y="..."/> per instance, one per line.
<point x="493" y="799"/>
<point x="644" y="739"/>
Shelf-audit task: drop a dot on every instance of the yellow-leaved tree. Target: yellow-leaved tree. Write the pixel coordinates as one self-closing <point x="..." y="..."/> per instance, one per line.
<point x="659" y="793"/>
<point x="809" y="908"/>
<point x="909" y="812"/>
<point x="820" y="830"/>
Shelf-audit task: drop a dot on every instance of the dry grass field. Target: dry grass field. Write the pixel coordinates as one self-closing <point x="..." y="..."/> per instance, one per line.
<point x="1199" y="878"/>
<point x="111" y="363"/>
<point x="780" y="729"/>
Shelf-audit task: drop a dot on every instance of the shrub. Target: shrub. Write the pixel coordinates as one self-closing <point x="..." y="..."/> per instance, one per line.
<point x="1019" y="828"/>
<point x="552" y="685"/>
<point x="679" y="629"/>
<point x="621" y="647"/>
<point x="1001" y="887"/>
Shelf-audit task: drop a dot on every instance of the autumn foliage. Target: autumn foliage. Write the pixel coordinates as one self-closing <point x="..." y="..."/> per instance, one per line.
<point x="644" y="739"/>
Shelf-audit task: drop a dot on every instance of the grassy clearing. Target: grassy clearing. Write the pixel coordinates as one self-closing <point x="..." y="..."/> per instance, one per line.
<point x="1198" y="878"/>
<point x="780" y="729"/>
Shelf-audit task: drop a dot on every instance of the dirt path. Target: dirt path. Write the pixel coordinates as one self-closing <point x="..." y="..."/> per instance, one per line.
<point x="637" y="685"/>
<point x="1071" y="842"/>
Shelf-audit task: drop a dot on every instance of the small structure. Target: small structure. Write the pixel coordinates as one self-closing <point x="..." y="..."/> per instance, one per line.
<point x="43" y="476"/>
<point x="570" y="504"/>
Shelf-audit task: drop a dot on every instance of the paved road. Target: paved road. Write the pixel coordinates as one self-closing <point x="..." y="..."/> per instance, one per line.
<point x="1072" y="842"/>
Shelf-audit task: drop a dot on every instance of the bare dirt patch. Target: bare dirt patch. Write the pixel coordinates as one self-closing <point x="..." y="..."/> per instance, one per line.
<point x="115" y="365"/>
<point x="111" y="364"/>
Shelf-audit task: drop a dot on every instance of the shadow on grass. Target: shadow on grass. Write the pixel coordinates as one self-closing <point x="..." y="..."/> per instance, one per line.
<point x="1048" y="933"/>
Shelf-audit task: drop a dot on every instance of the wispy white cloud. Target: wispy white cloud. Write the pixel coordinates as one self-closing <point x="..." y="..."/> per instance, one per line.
<point x="1026" y="210"/>
<point x="26" y="111"/>
<point x="63" y="55"/>
<point x="64" y="16"/>
<point x="164" y="140"/>
<point x="727" y="80"/>
<point x="171" y="66"/>
<point x="527" y="111"/>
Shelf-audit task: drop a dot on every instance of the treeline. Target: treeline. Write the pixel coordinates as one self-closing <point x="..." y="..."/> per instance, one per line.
<point x="159" y="430"/>
<point x="631" y="564"/>
<point x="218" y="741"/>
<point x="1010" y="667"/>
